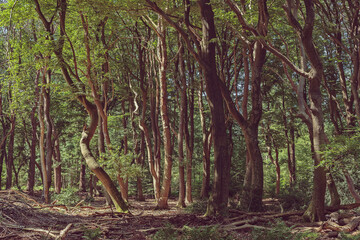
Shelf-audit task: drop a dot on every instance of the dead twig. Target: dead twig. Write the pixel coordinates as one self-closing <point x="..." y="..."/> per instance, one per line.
<point x="64" y="232"/>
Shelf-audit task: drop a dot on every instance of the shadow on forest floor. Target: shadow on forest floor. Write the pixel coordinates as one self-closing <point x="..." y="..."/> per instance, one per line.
<point x="25" y="217"/>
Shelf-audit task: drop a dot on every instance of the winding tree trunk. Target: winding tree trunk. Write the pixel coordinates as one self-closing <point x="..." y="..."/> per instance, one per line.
<point x="82" y="98"/>
<point x="115" y="195"/>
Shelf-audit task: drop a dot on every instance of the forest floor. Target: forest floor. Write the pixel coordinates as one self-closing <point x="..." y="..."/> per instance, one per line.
<point x="25" y="217"/>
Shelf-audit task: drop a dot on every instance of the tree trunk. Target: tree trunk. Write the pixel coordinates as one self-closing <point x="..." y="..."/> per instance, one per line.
<point x="218" y="202"/>
<point x="82" y="179"/>
<point x="334" y="195"/>
<point x="189" y="137"/>
<point x="34" y="125"/>
<point x="252" y="193"/>
<point x="206" y="143"/>
<point x="46" y="186"/>
<point x="162" y="54"/>
<point x="49" y="127"/>
<point x="351" y="186"/>
<point x="57" y="169"/>
<point x="182" y="119"/>
<point x="10" y="155"/>
<point x="119" y="203"/>
<point x="291" y="157"/>
<point x="124" y="182"/>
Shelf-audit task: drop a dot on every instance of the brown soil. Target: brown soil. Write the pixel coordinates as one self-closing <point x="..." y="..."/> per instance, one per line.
<point x="25" y="217"/>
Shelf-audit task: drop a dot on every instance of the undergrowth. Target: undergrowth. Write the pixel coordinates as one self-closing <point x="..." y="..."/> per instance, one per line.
<point x="281" y="232"/>
<point x="68" y="197"/>
<point x="198" y="207"/>
<point x="169" y="232"/>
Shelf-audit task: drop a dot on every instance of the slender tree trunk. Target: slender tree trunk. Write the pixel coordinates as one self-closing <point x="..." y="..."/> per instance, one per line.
<point x="82" y="179"/>
<point x="162" y="54"/>
<point x="351" y="186"/>
<point x="291" y="157"/>
<point x="189" y="137"/>
<point x="49" y="127"/>
<point x="57" y="169"/>
<point x="34" y="125"/>
<point x="206" y="143"/>
<point x="124" y="182"/>
<point x="42" y="148"/>
<point x="10" y="155"/>
<point x="334" y="195"/>
<point x="181" y="84"/>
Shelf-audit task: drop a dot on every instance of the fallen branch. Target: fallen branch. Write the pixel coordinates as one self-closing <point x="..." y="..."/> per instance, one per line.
<point x="245" y="226"/>
<point x="48" y="232"/>
<point x="351" y="226"/>
<point x="64" y="232"/>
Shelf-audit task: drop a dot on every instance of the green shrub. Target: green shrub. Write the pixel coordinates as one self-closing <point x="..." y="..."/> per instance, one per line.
<point x="198" y="207"/>
<point x="294" y="198"/>
<point x="190" y="233"/>
<point x="91" y="234"/>
<point x="68" y="196"/>
<point x="168" y="232"/>
<point x="281" y="232"/>
<point x="345" y="236"/>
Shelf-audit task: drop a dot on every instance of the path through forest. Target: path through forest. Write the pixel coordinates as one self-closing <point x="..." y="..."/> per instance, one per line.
<point x="25" y="217"/>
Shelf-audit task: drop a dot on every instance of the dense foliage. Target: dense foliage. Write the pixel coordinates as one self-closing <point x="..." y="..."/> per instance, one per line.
<point x="137" y="77"/>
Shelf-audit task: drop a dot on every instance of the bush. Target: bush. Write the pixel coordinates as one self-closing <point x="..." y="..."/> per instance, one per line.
<point x="189" y="233"/>
<point x="294" y="198"/>
<point x="198" y="207"/>
<point x="281" y="232"/>
<point x="68" y="196"/>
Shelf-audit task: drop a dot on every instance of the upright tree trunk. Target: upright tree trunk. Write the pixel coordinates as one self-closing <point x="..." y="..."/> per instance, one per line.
<point x="57" y="169"/>
<point x="183" y="109"/>
<point x="162" y="54"/>
<point x="218" y="202"/>
<point x="82" y="179"/>
<point x="46" y="186"/>
<point x="291" y="157"/>
<point x="49" y="126"/>
<point x="124" y="182"/>
<point x="189" y="136"/>
<point x="34" y="125"/>
<point x="206" y="143"/>
<point x="10" y="155"/>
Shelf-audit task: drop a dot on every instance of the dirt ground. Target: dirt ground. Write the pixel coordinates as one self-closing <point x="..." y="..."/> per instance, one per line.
<point x="25" y="217"/>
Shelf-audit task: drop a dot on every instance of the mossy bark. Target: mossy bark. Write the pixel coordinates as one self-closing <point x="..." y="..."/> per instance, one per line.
<point x="105" y="179"/>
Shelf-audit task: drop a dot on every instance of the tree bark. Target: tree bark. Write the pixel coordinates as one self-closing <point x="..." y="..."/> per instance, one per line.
<point x="34" y="125"/>
<point x="82" y="179"/>
<point x="10" y="154"/>
<point x="218" y="202"/>
<point x="57" y="169"/>
<point x="115" y="195"/>
<point x="162" y="54"/>
<point x="189" y="136"/>
<point x="206" y="146"/>
<point x="181" y="84"/>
